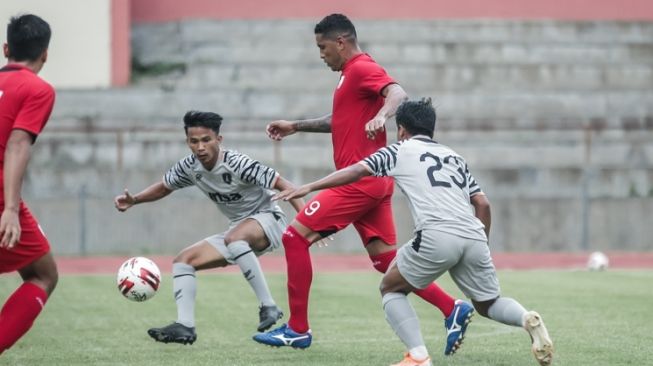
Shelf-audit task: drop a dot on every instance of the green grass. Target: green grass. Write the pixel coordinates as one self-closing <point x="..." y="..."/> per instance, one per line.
<point x="594" y="319"/>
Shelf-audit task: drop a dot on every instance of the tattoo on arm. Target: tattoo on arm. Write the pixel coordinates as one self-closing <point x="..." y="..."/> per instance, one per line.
<point x="322" y="124"/>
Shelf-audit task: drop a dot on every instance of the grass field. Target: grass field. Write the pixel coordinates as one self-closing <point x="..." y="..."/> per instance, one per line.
<point x="594" y="319"/>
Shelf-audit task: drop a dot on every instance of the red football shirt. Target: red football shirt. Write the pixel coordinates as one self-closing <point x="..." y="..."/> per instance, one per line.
<point x="356" y="100"/>
<point x="26" y="102"/>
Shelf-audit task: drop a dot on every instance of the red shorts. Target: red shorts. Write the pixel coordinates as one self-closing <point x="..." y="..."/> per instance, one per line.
<point x="367" y="204"/>
<point x="32" y="244"/>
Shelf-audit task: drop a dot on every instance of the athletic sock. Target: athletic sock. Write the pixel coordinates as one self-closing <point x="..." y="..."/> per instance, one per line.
<point x="381" y="261"/>
<point x="19" y="312"/>
<point x="184" y="286"/>
<point x="300" y="276"/>
<point x="507" y="311"/>
<point x="242" y="254"/>
<point x="432" y="294"/>
<point x="419" y="353"/>
<point x="403" y="320"/>
<point x="436" y="296"/>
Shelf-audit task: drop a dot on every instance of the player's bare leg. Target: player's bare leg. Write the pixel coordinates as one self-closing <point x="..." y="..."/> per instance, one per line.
<point x="42" y="272"/>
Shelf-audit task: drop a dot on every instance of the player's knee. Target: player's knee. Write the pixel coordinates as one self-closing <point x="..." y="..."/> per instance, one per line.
<point x="231" y="237"/>
<point x="292" y="238"/>
<point x="238" y="249"/>
<point x="45" y="275"/>
<point x="384" y="288"/>
<point x="185" y="257"/>
<point x="51" y="280"/>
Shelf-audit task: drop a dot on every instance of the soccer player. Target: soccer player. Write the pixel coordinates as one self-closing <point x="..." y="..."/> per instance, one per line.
<point x="364" y="98"/>
<point x="240" y="188"/>
<point x="452" y="224"/>
<point x="25" y="105"/>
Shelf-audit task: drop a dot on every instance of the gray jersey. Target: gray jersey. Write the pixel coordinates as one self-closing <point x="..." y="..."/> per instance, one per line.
<point x="239" y="185"/>
<point x="436" y="181"/>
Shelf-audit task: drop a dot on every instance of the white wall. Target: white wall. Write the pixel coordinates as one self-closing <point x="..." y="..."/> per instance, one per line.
<point x="80" y="48"/>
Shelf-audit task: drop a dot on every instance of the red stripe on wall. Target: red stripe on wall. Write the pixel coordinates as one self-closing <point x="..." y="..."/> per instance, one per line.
<point x="120" y="46"/>
<point x="171" y="10"/>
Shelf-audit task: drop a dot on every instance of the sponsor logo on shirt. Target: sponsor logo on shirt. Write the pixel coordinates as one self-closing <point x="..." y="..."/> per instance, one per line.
<point x="224" y="198"/>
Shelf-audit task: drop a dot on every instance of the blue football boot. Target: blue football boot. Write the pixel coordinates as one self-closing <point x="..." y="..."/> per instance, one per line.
<point x="284" y="336"/>
<point x="456" y="325"/>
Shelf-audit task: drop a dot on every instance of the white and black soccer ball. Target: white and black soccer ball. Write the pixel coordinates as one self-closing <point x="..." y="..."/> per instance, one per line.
<point x="598" y="261"/>
<point x="138" y="279"/>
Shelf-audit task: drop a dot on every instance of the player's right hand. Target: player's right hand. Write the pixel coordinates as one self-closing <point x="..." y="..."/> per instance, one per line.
<point x="277" y="130"/>
<point x="9" y="229"/>
<point x="124" y="201"/>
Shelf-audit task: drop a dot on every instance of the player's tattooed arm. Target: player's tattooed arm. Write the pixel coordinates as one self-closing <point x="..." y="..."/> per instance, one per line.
<point x="320" y="124"/>
<point x="277" y="130"/>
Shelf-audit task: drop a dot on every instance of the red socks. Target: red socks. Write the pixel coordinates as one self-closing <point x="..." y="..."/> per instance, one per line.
<point x="300" y="276"/>
<point x="381" y="262"/>
<point x="19" y="312"/>
<point x="433" y="294"/>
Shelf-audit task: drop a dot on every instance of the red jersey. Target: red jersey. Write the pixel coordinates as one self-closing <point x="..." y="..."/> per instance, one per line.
<point x="26" y="102"/>
<point x="356" y="100"/>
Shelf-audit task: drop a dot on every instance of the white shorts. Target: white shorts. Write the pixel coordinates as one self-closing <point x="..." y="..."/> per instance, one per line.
<point x="273" y="224"/>
<point x="432" y="253"/>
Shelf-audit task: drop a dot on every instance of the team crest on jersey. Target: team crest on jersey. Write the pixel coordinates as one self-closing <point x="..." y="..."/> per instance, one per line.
<point x="342" y="79"/>
<point x="198" y="177"/>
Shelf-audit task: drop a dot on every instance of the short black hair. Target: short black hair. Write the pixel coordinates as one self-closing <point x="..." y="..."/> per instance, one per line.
<point x="417" y="117"/>
<point x="335" y="25"/>
<point x="209" y="120"/>
<point x="27" y="37"/>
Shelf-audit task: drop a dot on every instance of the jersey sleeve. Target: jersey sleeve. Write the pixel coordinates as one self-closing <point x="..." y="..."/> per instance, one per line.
<point x="36" y="110"/>
<point x="249" y="170"/>
<point x="372" y="78"/>
<point x="180" y="175"/>
<point x="383" y="161"/>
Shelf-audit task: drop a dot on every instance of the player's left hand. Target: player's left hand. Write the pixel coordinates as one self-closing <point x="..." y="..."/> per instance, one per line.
<point x="375" y="126"/>
<point x="9" y="229"/>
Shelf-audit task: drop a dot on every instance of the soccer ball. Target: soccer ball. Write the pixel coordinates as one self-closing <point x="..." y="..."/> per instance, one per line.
<point x="598" y="262"/>
<point x="138" y="279"/>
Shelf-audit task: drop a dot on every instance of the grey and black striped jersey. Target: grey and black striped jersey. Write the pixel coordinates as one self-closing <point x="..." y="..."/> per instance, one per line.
<point x="436" y="181"/>
<point x="238" y="185"/>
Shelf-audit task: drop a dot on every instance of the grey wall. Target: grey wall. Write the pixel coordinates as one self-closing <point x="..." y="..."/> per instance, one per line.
<point x="555" y="119"/>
